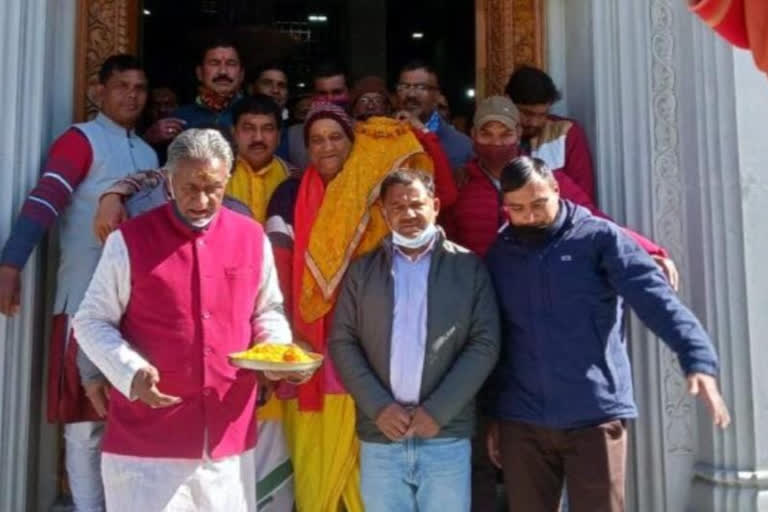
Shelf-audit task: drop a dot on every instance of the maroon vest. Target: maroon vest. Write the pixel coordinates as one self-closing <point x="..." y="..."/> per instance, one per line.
<point x="192" y="297"/>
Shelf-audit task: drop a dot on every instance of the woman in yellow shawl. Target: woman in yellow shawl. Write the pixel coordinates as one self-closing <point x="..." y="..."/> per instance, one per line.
<point x="317" y="225"/>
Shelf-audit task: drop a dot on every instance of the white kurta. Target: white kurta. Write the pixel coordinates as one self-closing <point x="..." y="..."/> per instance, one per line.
<point x="162" y="484"/>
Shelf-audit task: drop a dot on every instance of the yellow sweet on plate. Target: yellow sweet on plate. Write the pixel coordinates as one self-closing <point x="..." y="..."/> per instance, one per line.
<point x="275" y="353"/>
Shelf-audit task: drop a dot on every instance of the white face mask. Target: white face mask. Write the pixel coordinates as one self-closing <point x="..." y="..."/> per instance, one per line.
<point x="424" y="238"/>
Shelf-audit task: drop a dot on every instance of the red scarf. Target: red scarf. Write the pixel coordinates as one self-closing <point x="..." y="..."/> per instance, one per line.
<point x="213" y="100"/>
<point x="308" y="202"/>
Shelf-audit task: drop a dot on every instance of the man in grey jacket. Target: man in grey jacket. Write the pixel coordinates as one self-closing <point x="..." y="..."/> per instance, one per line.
<point x="415" y="334"/>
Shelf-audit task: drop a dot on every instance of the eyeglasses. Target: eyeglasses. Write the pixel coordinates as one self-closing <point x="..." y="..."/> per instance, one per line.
<point x="420" y="88"/>
<point x="373" y="101"/>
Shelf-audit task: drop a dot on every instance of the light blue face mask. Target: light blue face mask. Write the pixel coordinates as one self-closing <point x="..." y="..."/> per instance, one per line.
<point x="424" y="238"/>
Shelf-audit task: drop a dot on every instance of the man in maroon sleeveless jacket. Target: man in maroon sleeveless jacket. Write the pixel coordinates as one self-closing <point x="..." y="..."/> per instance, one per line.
<point x="176" y="290"/>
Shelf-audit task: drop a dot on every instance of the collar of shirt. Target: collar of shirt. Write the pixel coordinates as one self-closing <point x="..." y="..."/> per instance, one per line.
<point x="398" y="252"/>
<point x="112" y="126"/>
<point x="433" y="123"/>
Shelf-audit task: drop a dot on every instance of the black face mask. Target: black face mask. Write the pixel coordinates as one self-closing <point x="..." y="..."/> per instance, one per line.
<point x="539" y="235"/>
<point x="532" y="235"/>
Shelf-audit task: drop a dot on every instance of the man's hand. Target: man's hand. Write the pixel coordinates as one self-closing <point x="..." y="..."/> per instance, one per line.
<point x="393" y="421"/>
<point x="296" y="378"/>
<point x="97" y="392"/>
<point x="109" y="215"/>
<point x="670" y="270"/>
<point x="492" y="443"/>
<point x="144" y="387"/>
<point x="164" y="130"/>
<point x="705" y="387"/>
<point x="415" y="122"/>
<point x="10" y="290"/>
<point x="423" y="425"/>
<point x="266" y="385"/>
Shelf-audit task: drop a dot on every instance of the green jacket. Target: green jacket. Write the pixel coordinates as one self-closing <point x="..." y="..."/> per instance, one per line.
<point x="462" y="343"/>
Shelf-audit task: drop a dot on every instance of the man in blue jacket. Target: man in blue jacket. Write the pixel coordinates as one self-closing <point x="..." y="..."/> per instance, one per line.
<point x="562" y="390"/>
<point x="418" y="91"/>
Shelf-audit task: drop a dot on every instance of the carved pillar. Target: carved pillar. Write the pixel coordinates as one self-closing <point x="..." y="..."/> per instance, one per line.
<point x="509" y="33"/>
<point x="679" y="149"/>
<point x="104" y="27"/>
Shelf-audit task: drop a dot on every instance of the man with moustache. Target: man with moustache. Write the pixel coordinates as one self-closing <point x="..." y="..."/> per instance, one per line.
<point x="80" y="164"/>
<point x="177" y="290"/>
<point x="412" y="356"/>
<point x="220" y="73"/>
<point x="258" y="172"/>
<point x="418" y="91"/>
<point x="369" y="98"/>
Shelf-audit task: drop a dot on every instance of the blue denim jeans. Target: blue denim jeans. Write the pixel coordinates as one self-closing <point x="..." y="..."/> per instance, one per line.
<point x="424" y="475"/>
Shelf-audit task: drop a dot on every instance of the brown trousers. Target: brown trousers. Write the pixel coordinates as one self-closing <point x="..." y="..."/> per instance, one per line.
<point x="590" y="461"/>
<point x="483" y="472"/>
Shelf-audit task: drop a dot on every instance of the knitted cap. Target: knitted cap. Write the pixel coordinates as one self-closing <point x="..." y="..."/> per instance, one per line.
<point x="326" y="110"/>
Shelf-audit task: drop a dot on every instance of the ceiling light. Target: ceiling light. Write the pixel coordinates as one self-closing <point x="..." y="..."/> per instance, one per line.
<point x="317" y="18"/>
<point x="470" y="93"/>
<point x="418" y="35"/>
<point x="147" y="12"/>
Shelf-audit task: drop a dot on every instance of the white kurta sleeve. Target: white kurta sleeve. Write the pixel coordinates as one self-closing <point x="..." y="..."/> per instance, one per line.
<point x="96" y="322"/>
<point x="268" y="321"/>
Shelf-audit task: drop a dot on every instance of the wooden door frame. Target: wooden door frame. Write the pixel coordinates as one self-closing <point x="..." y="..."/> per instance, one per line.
<point x="509" y="33"/>
<point x="104" y="27"/>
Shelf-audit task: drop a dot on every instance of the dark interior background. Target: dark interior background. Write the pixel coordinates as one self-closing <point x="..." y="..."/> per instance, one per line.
<point x="365" y="36"/>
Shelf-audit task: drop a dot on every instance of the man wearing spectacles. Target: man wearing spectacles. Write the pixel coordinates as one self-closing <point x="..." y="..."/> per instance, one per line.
<point x="418" y="91"/>
<point x="369" y="98"/>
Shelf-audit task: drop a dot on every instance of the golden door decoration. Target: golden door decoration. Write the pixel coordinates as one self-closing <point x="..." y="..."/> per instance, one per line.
<point x="104" y="27"/>
<point x="509" y="33"/>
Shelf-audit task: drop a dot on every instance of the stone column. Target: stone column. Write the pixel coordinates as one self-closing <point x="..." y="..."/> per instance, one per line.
<point x="676" y="119"/>
<point x="731" y="471"/>
<point x="36" y="70"/>
<point x="637" y="143"/>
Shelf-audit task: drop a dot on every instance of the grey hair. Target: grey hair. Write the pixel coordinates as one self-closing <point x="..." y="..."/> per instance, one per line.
<point x="199" y="144"/>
